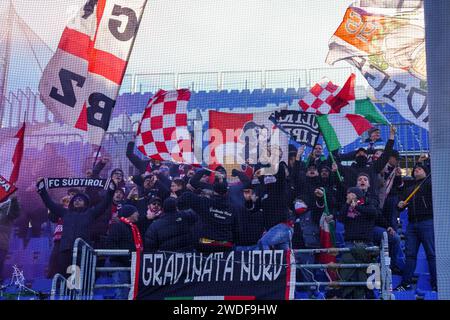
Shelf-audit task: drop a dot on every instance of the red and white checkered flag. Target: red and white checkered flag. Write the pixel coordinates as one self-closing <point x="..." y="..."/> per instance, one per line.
<point x="326" y="97"/>
<point x="162" y="133"/>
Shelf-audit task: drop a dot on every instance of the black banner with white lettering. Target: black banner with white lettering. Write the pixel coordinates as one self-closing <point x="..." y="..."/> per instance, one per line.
<point x="235" y="275"/>
<point x="300" y="126"/>
<point x="53" y="183"/>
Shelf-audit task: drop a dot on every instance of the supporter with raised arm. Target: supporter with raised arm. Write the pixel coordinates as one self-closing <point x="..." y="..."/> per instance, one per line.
<point x="77" y="218"/>
<point x="278" y="221"/>
<point x="372" y="169"/>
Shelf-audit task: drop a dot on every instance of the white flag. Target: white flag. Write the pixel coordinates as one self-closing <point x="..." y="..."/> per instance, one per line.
<point x="82" y="80"/>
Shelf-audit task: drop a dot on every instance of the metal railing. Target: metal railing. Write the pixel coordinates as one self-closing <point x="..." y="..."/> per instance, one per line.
<point x="383" y="265"/>
<point x="81" y="284"/>
<point x="232" y="80"/>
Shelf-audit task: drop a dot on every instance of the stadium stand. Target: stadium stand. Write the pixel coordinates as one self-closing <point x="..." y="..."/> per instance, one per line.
<point x="32" y="257"/>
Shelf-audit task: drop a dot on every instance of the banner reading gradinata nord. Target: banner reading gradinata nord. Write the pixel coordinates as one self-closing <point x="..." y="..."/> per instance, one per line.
<point x="81" y="82"/>
<point x="385" y="40"/>
<point x="233" y="275"/>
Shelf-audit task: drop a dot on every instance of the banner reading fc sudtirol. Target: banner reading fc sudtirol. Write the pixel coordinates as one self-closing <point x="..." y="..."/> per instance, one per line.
<point x="237" y="275"/>
<point x="385" y="40"/>
<point x="81" y="82"/>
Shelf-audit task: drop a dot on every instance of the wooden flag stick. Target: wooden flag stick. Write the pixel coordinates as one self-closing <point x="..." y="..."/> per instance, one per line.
<point x="416" y="189"/>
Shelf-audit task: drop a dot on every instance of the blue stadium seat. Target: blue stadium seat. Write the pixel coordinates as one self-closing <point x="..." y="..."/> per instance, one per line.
<point x="405" y="295"/>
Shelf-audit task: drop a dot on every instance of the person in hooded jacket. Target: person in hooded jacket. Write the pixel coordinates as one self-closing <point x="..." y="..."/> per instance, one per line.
<point x="173" y="231"/>
<point x="77" y="218"/>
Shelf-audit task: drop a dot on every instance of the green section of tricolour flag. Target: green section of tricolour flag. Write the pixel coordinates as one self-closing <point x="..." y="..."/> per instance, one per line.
<point x="328" y="133"/>
<point x="368" y="110"/>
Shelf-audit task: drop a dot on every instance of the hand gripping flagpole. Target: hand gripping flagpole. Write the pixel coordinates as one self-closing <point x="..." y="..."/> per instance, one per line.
<point x="416" y="189"/>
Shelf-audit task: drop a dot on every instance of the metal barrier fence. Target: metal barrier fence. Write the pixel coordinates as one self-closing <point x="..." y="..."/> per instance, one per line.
<point x="233" y="80"/>
<point x="385" y="281"/>
<point x="81" y="284"/>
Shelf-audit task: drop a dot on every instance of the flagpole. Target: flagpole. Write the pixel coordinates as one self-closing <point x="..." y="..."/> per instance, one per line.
<point x="416" y="189"/>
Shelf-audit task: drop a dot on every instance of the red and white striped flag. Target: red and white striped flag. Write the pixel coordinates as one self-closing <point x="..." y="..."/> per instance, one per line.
<point x="326" y="97"/>
<point x="82" y="80"/>
<point x="162" y="133"/>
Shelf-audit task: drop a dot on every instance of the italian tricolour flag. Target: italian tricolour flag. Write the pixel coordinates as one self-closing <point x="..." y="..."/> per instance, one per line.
<point x="339" y="130"/>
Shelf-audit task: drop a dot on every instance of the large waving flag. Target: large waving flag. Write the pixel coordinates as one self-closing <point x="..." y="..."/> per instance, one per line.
<point x="237" y="138"/>
<point x="339" y="130"/>
<point x="163" y="133"/>
<point x="327" y="98"/>
<point x="385" y="40"/>
<point x="11" y="153"/>
<point x="81" y="82"/>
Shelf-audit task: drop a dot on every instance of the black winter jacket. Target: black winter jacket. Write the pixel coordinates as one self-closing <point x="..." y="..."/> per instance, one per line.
<point x="76" y="224"/>
<point x="173" y="231"/>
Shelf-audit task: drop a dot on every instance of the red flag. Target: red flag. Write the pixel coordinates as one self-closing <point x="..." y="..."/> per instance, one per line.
<point x="18" y="153"/>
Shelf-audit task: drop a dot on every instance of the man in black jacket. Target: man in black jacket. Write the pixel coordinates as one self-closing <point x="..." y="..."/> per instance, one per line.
<point x="76" y="219"/>
<point x="249" y="215"/>
<point x="217" y="218"/>
<point x="120" y="236"/>
<point x="358" y="214"/>
<point x="420" y="226"/>
<point x="275" y="202"/>
<point x="173" y="231"/>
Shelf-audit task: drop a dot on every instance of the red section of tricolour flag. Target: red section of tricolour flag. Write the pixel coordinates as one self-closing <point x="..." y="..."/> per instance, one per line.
<point x="360" y="123"/>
